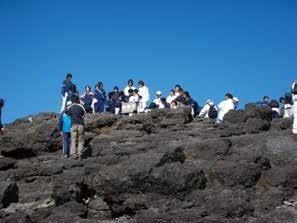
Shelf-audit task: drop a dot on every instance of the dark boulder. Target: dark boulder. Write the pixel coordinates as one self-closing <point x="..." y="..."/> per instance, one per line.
<point x="8" y="193"/>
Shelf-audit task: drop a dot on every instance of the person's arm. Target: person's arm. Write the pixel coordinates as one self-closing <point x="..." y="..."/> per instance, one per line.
<point x="204" y="111"/>
<point x="61" y="123"/>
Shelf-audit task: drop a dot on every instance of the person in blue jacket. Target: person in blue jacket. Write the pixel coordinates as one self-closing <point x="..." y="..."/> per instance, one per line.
<point x="192" y="103"/>
<point x="1" y="125"/>
<point x="67" y="85"/>
<point x="100" y="98"/>
<point x="65" y="130"/>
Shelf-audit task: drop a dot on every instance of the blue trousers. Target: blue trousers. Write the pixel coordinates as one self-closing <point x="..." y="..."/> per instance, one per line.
<point x="66" y="143"/>
<point x="99" y="107"/>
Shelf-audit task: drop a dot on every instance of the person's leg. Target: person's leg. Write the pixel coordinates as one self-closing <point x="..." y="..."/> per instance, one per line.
<point x="67" y="144"/>
<point x="74" y="135"/>
<point x="81" y="139"/>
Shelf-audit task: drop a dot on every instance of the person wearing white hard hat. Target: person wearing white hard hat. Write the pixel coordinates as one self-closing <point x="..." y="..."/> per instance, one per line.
<point x="235" y="102"/>
<point x="158" y="99"/>
<point x="209" y="110"/>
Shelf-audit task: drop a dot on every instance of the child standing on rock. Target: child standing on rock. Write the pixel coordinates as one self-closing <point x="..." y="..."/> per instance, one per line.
<point x="65" y="129"/>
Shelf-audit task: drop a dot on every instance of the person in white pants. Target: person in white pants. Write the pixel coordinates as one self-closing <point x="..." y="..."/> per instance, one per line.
<point x="143" y="91"/>
<point x="294" y="108"/>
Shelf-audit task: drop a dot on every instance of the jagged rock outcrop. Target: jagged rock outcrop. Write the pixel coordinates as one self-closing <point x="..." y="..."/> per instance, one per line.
<point x="157" y="167"/>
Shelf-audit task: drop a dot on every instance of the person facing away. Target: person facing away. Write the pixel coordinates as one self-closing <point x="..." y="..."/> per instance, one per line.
<point x="100" y="98"/>
<point x="65" y="90"/>
<point x="77" y="113"/>
<point x="274" y="105"/>
<point x="128" y="87"/>
<point x="224" y="107"/>
<point x="115" y="101"/>
<point x="143" y="91"/>
<point x="1" y="125"/>
<point x="209" y="110"/>
<point x="87" y="99"/>
<point x="65" y="130"/>
<point x="294" y="108"/>
<point x="171" y="97"/>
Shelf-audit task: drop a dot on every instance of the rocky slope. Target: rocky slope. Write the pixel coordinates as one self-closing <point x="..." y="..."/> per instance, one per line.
<point x="156" y="167"/>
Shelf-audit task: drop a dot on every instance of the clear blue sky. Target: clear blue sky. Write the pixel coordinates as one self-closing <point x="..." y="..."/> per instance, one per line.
<point x="210" y="47"/>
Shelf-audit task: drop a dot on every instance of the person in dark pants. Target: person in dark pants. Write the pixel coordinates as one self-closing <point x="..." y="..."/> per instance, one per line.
<point x="67" y="85"/>
<point x="100" y="96"/>
<point x="87" y="99"/>
<point x="65" y="129"/>
<point x="1" y="125"/>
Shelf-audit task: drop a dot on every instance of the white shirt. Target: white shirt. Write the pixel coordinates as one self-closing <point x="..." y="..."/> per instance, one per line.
<point x="134" y="98"/>
<point x="126" y="90"/>
<point x="170" y="98"/>
<point x="144" y="93"/>
<point x="157" y="101"/>
<point x="224" y="107"/>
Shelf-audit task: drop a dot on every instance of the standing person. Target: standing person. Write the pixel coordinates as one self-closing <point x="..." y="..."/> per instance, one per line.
<point x="77" y="113"/>
<point x="1" y="125"/>
<point x="100" y="97"/>
<point x="209" y="110"/>
<point x="294" y="99"/>
<point x="177" y="90"/>
<point x="171" y="97"/>
<point x="143" y="91"/>
<point x="128" y="87"/>
<point x="288" y="106"/>
<point x="66" y="90"/>
<point x="65" y="130"/>
<point x="87" y="99"/>
<point x="224" y="107"/>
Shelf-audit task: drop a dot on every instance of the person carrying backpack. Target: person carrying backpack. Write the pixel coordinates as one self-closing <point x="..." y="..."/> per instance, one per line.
<point x="274" y="105"/>
<point x="1" y="125"/>
<point x="294" y="108"/>
<point x="77" y="113"/>
<point x="209" y="110"/>
<point x="65" y="130"/>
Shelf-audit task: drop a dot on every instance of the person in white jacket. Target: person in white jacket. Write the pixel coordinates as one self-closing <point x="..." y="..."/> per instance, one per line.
<point x="224" y="107"/>
<point x="171" y="97"/>
<point x="204" y="113"/>
<point x="294" y="107"/>
<point x="143" y="91"/>
<point x="158" y="99"/>
<point x="128" y="87"/>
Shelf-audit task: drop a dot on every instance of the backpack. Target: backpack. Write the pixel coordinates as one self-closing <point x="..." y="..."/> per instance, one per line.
<point x="212" y="112"/>
<point x="288" y="98"/>
<point x="294" y="87"/>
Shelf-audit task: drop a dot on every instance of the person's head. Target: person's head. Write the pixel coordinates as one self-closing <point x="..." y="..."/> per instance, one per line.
<point x="116" y="89"/>
<point x="1" y="103"/>
<point x="69" y="77"/>
<point x="187" y="95"/>
<point x="228" y="96"/>
<point x="282" y="100"/>
<point x="173" y="104"/>
<point x="266" y="99"/>
<point x="158" y="94"/>
<point x="130" y="82"/>
<point x="73" y="88"/>
<point x="131" y="92"/>
<point x="172" y="93"/>
<point x="75" y="99"/>
<point x="88" y="88"/>
<point x="135" y="92"/>
<point x="140" y="83"/>
<point x="177" y="88"/>
<point x="100" y="85"/>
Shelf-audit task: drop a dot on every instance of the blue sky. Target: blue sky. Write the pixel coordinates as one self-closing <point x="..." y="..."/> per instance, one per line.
<point x="210" y="47"/>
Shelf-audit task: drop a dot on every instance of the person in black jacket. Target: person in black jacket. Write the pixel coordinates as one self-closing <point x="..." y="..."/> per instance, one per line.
<point x="1" y="125"/>
<point x="77" y="113"/>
